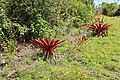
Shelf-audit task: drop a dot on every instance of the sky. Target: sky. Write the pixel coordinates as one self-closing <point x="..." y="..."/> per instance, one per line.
<point x="100" y="1"/>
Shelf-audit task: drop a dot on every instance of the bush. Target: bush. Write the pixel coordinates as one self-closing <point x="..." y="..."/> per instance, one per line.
<point x="109" y="8"/>
<point x="41" y="18"/>
<point x="117" y="13"/>
<point x="11" y="32"/>
<point x="54" y="12"/>
<point x="41" y="29"/>
<point x="2" y="19"/>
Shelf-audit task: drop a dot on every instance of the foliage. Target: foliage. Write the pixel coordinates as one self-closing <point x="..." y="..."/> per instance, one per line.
<point x="109" y="8"/>
<point x="100" y="28"/>
<point x="46" y="46"/>
<point x="96" y="59"/>
<point x="117" y="13"/>
<point x="54" y="12"/>
<point x="97" y="20"/>
<point x="82" y="39"/>
<point x="41" y="29"/>
<point x="2" y="19"/>
<point x="11" y="32"/>
<point x="41" y="18"/>
<point x="9" y="46"/>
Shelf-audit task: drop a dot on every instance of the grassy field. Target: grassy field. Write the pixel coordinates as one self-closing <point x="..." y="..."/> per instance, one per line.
<point x="96" y="59"/>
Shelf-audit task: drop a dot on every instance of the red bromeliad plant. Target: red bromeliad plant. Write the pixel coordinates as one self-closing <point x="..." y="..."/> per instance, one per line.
<point x="98" y="20"/>
<point x="82" y="39"/>
<point x="99" y="28"/>
<point x="46" y="46"/>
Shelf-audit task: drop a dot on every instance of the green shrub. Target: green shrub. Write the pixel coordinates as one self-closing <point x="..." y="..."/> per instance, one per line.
<point x="117" y="13"/>
<point x="54" y="12"/>
<point x="41" y="29"/>
<point x="25" y="11"/>
<point x="109" y="8"/>
<point x="2" y="19"/>
<point x="41" y="18"/>
<point x="10" y="33"/>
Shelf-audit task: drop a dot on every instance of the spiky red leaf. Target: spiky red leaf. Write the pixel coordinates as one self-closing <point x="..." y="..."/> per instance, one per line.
<point x="92" y="27"/>
<point x="82" y="39"/>
<point x="35" y="42"/>
<point x="44" y="45"/>
<point x="52" y="41"/>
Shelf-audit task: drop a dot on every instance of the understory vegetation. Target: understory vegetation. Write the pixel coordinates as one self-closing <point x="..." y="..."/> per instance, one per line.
<point x="57" y="40"/>
<point x="108" y="9"/>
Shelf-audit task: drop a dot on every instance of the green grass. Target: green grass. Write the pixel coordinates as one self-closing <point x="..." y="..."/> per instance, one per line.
<point x="96" y="59"/>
